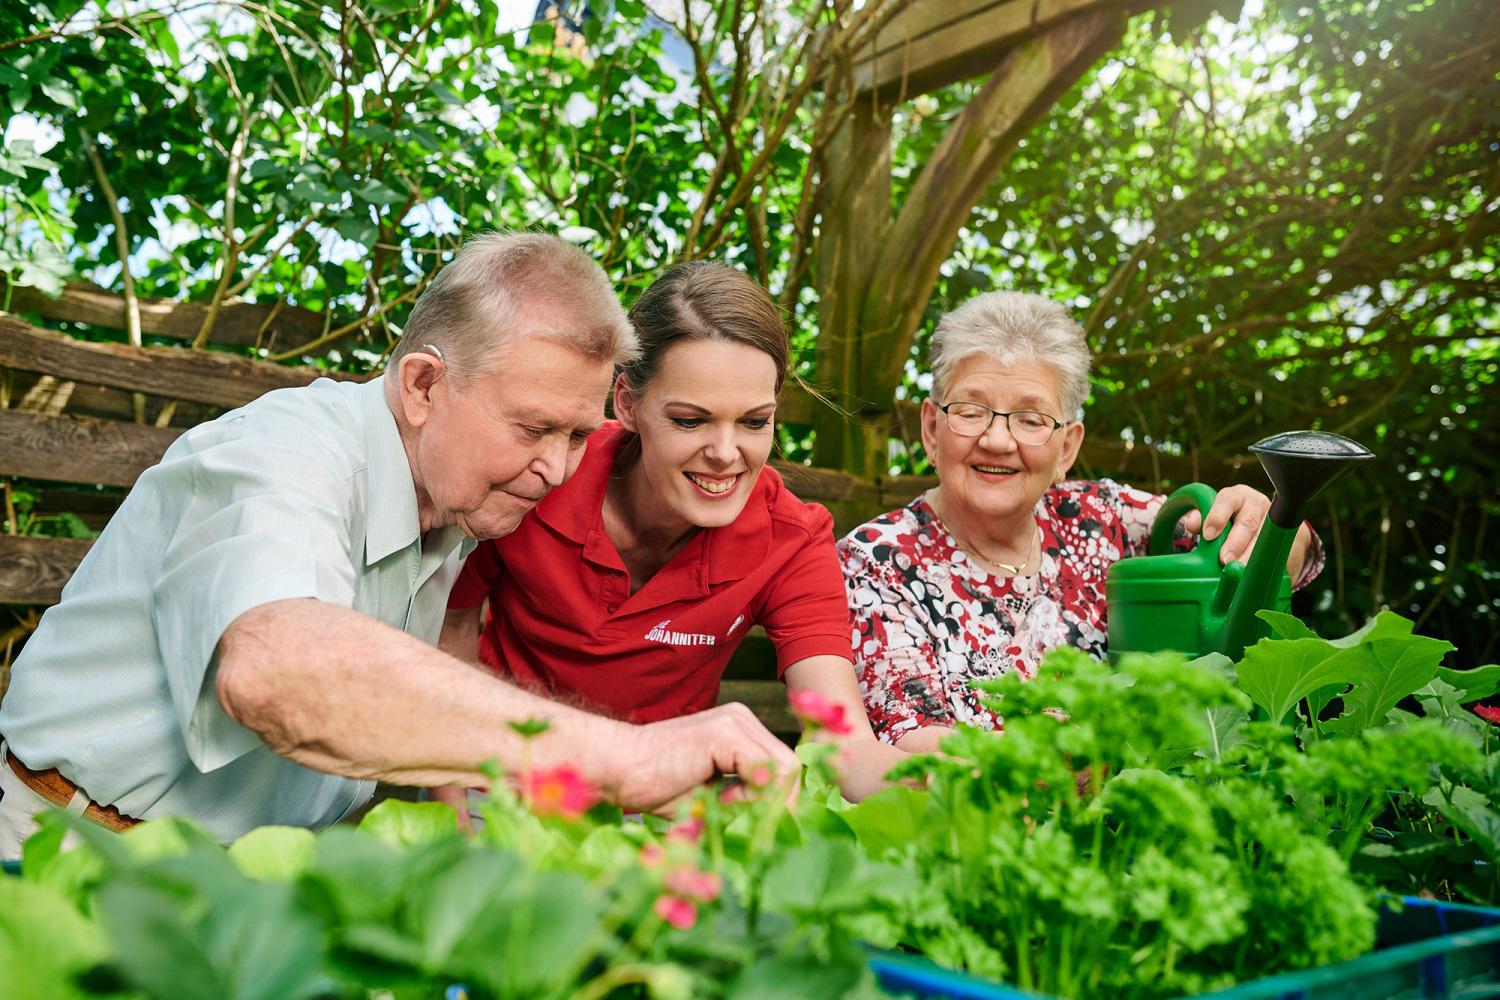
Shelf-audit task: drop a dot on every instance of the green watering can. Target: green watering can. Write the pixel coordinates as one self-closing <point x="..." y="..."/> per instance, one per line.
<point x="1188" y="602"/>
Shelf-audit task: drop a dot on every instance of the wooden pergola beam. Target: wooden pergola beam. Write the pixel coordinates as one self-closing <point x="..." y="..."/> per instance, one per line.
<point x="930" y="45"/>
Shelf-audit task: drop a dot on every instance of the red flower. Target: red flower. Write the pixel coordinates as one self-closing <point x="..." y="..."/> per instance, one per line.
<point x="691" y="883"/>
<point x="817" y="712"/>
<point x="560" y="791"/>
<point x="1488" y="713"/>
<point x="680" y="913"/>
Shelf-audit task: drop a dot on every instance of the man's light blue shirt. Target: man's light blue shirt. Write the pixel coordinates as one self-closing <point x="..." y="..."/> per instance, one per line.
<point x="303" y="493"/>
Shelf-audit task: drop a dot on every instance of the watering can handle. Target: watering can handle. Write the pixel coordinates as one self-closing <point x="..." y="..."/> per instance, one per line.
<point x="1193" y="496"/>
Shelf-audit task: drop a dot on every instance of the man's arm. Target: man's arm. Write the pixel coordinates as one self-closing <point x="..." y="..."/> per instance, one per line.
<point x="337" y="691"/>
<point x="863" y="761"/>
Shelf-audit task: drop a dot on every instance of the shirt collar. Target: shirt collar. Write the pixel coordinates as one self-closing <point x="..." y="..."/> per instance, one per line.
<point x="391" y="523"/>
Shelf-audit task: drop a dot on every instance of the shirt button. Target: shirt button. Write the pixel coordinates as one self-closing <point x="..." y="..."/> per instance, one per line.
<point x="611" y="608"/>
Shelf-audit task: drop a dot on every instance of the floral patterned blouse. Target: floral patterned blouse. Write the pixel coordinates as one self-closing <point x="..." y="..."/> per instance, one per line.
<point x="928" y="619"/>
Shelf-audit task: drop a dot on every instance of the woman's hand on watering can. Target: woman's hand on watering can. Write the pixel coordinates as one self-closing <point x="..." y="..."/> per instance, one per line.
<point x="1248" y="509"/>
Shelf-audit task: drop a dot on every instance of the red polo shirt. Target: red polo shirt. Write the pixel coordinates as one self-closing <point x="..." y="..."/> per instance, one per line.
<point x="562" y="617"/>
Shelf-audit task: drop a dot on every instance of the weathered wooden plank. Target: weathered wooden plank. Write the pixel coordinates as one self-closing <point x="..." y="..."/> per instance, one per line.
<point x="34" y="570"/>
<point x="78" y="449"/>
<point x="812" y="483"/>
<point x="937" y="42"/>
<point x="172" y="372"/>
<point x="767" y="699"/>
<point x="237" y="325"/>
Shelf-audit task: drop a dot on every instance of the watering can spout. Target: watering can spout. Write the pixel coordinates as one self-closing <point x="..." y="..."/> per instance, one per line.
<point x="1300" y="465"/>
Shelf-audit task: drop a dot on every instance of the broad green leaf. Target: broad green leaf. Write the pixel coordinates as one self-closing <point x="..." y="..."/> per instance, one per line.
<point x="274" y="853"/>
<point x="44" y="941"/>
<point x="1278" y="673"/>
<point x="1389" y="670"/>
<point x="1224" y="722"/>
<point x="889" y="819"/>
<point x="406" y="824"/>
<point x="1475" y="684"/>
<point x="1286" y="626"/>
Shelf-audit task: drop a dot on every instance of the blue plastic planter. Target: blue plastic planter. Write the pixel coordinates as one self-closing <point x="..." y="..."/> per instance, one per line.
<point x="1428" y="949"/>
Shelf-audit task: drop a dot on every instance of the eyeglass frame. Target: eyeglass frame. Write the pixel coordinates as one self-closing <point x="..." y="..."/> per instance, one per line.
<point x="1057" y="424"/>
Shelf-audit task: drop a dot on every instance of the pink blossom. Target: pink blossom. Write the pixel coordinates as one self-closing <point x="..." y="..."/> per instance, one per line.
<point x="687" y="832"/>
<point x="559" y="791"/>
<point x="652" y="855"/>
<point x="817" y="712"/>
<point x="760" y="775"/>
<point x="1488" y="713"/>
<point x="680" y="913"/>
<point x="691" y="883"/>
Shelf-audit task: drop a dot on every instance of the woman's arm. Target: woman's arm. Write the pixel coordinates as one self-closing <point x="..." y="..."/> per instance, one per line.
<point x="863" y="761"/>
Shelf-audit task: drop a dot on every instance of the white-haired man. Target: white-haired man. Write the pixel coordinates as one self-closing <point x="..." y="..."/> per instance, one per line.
<point x="250" y="640"/>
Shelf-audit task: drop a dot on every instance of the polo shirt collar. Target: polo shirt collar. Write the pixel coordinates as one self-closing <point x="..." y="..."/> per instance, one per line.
<point x="577" y="510"/>
<point x="392" y="521"/>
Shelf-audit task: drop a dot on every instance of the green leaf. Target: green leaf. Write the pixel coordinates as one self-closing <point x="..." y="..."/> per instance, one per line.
<point x="1286" y="626"/>
<point x="407" y="824"/>
<point x="1475" y="684"/>
<point x="44" y="941"/>
<point x="1224" y="722"/>
<point x="888" y="820"/>
<point x="1278" y="673"/>
<point x="380" y="194"/>
<point x="274" y="853"/>
<point x="1389" y="670"/>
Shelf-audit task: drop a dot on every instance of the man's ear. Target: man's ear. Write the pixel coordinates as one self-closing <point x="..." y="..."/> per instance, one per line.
<point x="416" y="375"/>
<point x="1072" y="442"/>
<point x="623" y="398"/>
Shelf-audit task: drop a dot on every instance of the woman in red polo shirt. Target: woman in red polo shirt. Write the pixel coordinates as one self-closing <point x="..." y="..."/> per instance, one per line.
<point x="634" y="581"/>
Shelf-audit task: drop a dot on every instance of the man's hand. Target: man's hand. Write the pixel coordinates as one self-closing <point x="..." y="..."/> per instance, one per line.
<point x="657" y="764"/>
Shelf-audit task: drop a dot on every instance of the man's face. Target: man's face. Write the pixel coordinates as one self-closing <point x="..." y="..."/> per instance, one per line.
<point x="490" y="450"/>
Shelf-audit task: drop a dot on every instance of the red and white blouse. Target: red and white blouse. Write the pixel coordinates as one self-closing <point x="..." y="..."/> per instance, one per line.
<point x="928" y="619"/>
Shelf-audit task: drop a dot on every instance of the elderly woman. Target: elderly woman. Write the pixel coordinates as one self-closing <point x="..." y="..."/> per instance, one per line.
<point x="1006" y="558"/>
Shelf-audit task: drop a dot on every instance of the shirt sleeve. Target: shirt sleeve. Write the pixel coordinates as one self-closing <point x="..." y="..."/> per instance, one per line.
<point x="1137" y="510"/>
<point x="899" y="676"/>
<point x="256" y="528"/>
<point x="481" y="572"/>
<point x="805" y="613"/>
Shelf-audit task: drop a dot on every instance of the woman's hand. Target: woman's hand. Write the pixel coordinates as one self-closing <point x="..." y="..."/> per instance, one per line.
<point x="1248" y="508"/>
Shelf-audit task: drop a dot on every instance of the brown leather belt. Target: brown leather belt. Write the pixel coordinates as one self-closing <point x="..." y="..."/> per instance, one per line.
<point x="56" y="789"/>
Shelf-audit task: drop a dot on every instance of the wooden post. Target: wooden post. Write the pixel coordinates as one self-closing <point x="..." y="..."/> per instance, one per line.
<point x="856" y="196"/>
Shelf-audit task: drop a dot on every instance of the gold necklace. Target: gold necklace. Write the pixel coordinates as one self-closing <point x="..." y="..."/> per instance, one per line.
<point x="1011" y="569"/>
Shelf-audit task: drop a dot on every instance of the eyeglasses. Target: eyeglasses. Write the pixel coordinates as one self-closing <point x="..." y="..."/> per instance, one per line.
<point x="1030" y="427"/>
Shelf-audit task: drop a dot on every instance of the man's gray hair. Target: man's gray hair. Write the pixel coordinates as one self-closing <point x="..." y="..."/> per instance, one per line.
<point x="498" y="281"/>
<point x="1011" y="327"/>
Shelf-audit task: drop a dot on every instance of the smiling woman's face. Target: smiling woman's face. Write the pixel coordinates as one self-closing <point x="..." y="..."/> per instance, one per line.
<point x="706" y="427"/>
<point x="992" y="477"/>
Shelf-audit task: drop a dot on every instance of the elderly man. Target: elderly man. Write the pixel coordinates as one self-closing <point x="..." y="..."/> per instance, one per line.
<point x="250" y="639"/>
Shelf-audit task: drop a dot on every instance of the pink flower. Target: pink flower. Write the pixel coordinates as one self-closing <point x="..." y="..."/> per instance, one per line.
<point x="817" y="712"/>
<point x="559" y="791"/>
<point x="760" y="775"/>
<point x="691" y="883"/>
<point x="687" y="832"/>
<point x="1488" y="713"/>
<point x="652" y="855"/>
<point x="680" y="913"/>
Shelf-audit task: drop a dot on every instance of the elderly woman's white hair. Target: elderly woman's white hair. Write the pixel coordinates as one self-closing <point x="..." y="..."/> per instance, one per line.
<point x="1012" y="327"/>
<point x="498" y="279"/>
